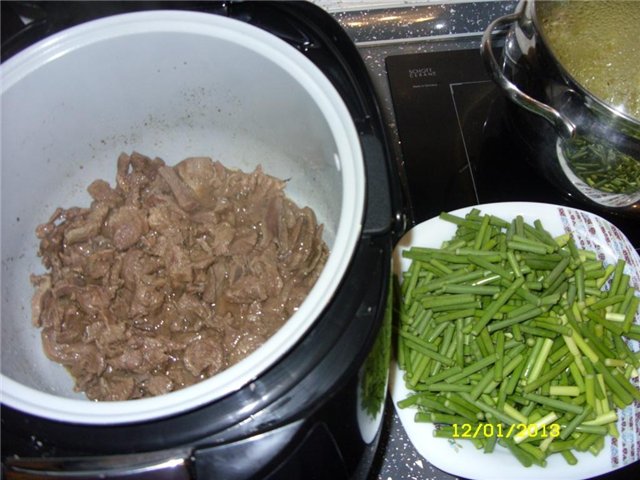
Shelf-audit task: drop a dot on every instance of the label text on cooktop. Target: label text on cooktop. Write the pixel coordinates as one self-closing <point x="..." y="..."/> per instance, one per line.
<point x="422" y="72"/>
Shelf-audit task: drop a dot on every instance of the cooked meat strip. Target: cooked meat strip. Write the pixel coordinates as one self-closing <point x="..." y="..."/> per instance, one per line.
<point x="172" y="275"/>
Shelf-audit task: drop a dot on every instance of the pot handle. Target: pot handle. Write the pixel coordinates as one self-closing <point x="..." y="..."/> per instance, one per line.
<point x="565" y="127"/>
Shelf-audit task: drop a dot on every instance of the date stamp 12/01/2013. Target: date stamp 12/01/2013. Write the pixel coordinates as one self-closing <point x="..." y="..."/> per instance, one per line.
<point x="487" y="430"/>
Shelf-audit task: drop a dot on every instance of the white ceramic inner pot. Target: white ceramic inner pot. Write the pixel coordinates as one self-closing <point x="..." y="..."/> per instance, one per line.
<point x="173" y="85"/>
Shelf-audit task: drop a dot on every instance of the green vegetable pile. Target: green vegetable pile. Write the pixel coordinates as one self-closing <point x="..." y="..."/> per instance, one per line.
<point x="603" y="167"/>
<point x="508" y="335"/>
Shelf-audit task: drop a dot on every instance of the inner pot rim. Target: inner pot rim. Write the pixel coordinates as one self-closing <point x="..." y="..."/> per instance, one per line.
<point x="349" y="163"/>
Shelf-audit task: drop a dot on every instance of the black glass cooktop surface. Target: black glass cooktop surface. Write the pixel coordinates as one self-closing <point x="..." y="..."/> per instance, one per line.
<point x="457" y="146"/>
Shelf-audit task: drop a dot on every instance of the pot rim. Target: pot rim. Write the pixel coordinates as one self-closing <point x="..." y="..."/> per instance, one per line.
<point x="349" y="162"/>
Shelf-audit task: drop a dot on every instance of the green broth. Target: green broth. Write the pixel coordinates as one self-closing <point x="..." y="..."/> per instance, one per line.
<point x="598" y="42"/>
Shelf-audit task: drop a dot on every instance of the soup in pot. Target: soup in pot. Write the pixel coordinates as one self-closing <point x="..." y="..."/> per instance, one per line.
<point x="597" y="43"/>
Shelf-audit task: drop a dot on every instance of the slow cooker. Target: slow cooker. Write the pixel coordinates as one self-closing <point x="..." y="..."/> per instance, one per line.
<point x="309" y="402"/>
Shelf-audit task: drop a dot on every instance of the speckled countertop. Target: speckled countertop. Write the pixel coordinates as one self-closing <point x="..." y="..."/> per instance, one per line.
<point x="384" y="28"/>
<point x="397" y="459"/>
<point x="380" y="29"/>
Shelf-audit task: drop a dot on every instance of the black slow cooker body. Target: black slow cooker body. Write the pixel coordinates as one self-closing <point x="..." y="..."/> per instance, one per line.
<point x="302" y="418"/>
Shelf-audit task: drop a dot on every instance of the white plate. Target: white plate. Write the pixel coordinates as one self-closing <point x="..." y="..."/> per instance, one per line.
<point x="460" y="457"/>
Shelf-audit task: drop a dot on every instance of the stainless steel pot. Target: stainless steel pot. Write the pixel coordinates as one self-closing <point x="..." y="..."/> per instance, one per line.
<point x="592" y="149"/>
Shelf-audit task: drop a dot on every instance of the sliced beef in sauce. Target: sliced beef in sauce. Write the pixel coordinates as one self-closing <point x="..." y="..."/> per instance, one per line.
<point x="171" y="276"/>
